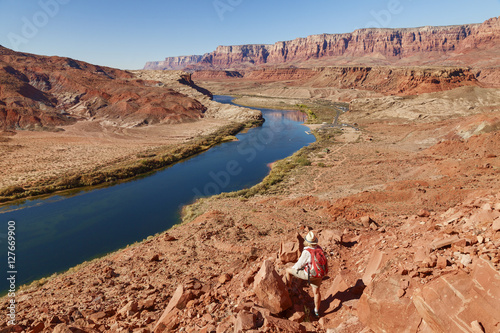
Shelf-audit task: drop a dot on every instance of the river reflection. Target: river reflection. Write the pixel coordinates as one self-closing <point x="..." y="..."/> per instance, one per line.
<point x="291" y="115"/>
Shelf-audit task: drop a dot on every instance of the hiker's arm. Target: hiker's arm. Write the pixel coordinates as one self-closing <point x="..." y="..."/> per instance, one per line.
<point x="303" y="260"/>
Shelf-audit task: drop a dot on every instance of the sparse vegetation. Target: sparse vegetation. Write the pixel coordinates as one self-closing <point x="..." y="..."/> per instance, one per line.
<point x="311" y="116"/>
<point x="318" y="110"/>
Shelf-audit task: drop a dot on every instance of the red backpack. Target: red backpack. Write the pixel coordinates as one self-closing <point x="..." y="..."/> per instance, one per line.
<point x="319" y="266"/>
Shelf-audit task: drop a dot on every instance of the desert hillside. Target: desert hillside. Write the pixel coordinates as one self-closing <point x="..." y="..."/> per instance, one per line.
<point x="41" y="92"/>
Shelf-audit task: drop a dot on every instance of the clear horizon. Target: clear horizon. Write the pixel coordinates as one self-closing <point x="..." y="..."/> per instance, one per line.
<point x="127" y="34"/>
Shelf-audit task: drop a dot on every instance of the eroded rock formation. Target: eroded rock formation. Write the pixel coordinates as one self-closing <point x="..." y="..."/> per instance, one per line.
<point x="38" y="92"/>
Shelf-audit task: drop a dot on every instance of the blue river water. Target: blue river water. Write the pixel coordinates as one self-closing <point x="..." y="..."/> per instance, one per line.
<point x="61" y="231"/>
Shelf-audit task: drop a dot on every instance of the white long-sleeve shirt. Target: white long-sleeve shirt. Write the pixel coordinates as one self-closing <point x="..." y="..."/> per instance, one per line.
<point x="305" y="259"/>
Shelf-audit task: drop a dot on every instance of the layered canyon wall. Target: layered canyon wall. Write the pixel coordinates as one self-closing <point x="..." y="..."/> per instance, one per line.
<point x="449" y="45"/>
<point x="386" y="80"/>
<point x="173" y="63"/>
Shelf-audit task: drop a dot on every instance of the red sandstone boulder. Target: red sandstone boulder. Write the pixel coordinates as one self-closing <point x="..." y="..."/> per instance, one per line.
<point x="96" y="317"/>
<point x="383" y="310"/>
<point x="128" y="310"/>
<point x="62" y="328"/>
<point x="496" y="224"/>
<point x="37" y="327"/>
<point x="366" y="220"/>
<point x="270" y="290"/>
<point x="330" y="236"/>
<point x="274" y="324"/>
<point x="339" y="285"/>
<point x="289" y="252"/>
<point x="442" y="262"/>
<point x="170" y="316"/>
<point x="454" y="301"/>
<point x="423" y="213"/>
<point x="179" y="299"/>
<point x="245" y="320"/>
<point x="377" y="259"/>
<point x="168" y="321"/>
<point x="225" y="278"/>
<point x="443" y="242"/>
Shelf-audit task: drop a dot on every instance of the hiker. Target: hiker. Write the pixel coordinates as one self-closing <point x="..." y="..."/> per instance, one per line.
<point x="306" y="269"/>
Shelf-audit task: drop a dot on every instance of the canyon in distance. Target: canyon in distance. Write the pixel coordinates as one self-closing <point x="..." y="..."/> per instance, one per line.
<point x="401" y="185"/>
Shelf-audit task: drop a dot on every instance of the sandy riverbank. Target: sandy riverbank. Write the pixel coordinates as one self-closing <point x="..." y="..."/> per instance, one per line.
<point x="28" y="156"/>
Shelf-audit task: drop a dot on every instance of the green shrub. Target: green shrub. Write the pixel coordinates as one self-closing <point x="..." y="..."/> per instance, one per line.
<point x="11" y="190"/>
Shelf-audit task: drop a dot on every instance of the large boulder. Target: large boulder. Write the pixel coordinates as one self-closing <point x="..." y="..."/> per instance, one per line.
<point x="382" y="309"/>
<point x="168" y="321"/>
<point x="179" y="299"/>
<point x="454" y="302"/>
<point x="62" y="328"/>
<point x="270" y="289"/>
<point x="245" y="320"/>
<point x="330" y="237"/>
<point x="289" y="252"/>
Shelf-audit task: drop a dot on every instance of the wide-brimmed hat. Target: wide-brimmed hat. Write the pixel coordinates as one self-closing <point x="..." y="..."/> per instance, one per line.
<point x="311" y="238"/>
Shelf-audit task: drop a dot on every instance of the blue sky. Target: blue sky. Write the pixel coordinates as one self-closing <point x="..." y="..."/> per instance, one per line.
<point x="125" y="34"/>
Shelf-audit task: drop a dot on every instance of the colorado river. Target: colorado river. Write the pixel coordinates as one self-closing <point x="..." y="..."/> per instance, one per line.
<point x="61" y="231"/>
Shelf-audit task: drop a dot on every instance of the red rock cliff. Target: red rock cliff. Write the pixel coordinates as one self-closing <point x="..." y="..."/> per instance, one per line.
<point x="412" y="46"/>
<point x="175" y="63"/>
